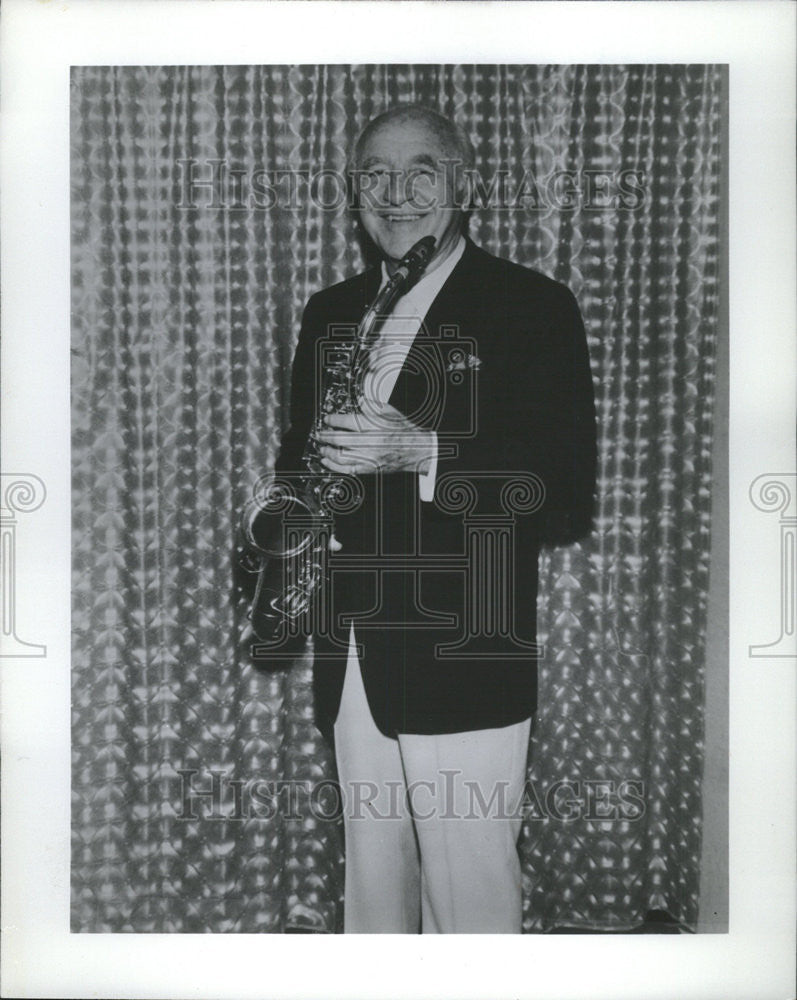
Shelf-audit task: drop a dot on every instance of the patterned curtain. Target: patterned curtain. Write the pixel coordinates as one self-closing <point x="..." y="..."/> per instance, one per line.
<point x="200" y="226"/>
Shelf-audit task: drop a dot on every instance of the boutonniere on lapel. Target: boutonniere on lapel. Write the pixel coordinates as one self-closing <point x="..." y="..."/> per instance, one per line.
<point x="458" y="361"/>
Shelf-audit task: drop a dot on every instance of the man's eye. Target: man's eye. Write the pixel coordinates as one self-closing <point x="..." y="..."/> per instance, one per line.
<point x="423" y="179"/>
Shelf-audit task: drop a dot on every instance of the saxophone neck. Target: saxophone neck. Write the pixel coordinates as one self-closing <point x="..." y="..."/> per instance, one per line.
<point x="408" y="271"/>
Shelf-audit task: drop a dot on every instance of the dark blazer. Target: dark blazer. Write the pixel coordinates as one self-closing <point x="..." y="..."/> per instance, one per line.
<point x="500" y="370"/>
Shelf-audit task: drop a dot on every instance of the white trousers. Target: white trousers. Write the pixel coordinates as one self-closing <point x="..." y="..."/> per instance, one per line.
<point x="431" y="824"/>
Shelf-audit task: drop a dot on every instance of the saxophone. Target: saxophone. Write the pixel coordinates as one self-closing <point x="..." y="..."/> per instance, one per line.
<point x="289" y="527"/>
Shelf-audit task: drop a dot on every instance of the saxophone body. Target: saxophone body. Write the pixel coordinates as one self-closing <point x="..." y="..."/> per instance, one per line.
<point x="289" y="527"/>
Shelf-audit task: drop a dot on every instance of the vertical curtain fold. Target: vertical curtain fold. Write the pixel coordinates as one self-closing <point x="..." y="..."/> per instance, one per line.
<point x="186" y="305"/>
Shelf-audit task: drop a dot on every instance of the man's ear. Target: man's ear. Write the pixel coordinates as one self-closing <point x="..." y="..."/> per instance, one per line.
<point x="370" y="253"/>
<point x="463" y="188"/>
<point x="352" y="190"/>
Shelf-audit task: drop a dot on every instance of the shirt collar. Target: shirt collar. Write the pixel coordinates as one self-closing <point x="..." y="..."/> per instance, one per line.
<point x="425" y="291"/>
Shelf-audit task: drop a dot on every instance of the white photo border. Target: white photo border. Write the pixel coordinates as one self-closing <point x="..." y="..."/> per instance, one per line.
<point x="40" y="42"/>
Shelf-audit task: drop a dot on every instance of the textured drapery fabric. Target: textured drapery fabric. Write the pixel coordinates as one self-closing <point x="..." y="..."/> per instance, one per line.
<point x="202" y="794"/>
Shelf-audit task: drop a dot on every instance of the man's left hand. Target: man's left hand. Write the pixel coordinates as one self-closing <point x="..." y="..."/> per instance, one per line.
<point x="374" y="440"/>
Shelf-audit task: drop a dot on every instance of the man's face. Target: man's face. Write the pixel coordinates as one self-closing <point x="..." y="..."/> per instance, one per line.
<point x="406" y="190"/>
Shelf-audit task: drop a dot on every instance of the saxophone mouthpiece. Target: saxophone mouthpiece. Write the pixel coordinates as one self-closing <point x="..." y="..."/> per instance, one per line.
<point x="410" y="268"/>
<point x="414" y="262"/>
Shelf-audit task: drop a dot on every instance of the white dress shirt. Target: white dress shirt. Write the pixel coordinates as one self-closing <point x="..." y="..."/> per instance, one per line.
<point x="387" y="359"/>
<point x="395" y="340"/>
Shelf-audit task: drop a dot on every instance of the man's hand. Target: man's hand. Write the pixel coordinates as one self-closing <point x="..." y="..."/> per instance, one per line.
<point x="374" y="440"/>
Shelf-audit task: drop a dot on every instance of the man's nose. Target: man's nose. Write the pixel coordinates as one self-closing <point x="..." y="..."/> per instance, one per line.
<point x="396" y="187"/>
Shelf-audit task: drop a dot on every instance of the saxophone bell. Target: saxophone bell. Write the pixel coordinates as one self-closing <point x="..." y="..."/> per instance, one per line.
<point x="281" y="527"/>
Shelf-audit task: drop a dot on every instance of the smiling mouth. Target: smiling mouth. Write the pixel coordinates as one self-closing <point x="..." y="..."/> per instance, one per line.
<point x="403" y="217"/>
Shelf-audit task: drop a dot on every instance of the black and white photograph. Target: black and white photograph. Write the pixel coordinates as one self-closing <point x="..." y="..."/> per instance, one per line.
<point x="392" y="544"/>
<point x="505" y="516"/>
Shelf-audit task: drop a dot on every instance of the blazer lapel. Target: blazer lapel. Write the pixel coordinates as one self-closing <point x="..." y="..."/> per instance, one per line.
<point x="425" y="388"/>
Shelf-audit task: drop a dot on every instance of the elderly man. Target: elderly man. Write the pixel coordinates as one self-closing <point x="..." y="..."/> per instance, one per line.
<point x="481" y="370"/>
